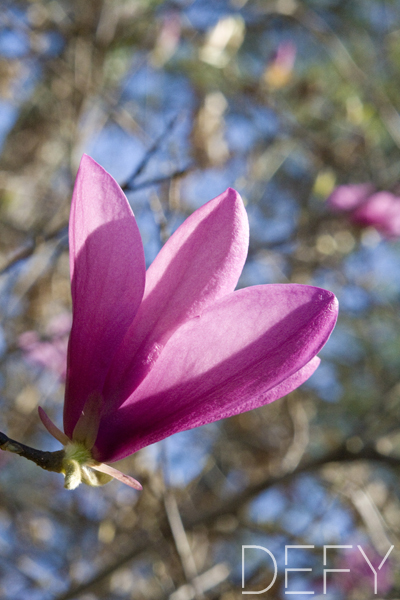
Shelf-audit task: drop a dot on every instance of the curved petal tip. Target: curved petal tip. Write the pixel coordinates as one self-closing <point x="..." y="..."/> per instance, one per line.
<point x="51" y="428"/>
<point x="127" y="479"/>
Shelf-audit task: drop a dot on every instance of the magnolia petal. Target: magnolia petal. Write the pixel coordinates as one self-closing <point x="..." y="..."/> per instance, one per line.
<point x="87" y="427"/>
<point x="127" y="479"/>
<point x="107" y="282"/>
<point x="53" y="429"/>
<point x="292" y="382"/>
<point x="239" y="354"/>
<point x="199" y="264"/>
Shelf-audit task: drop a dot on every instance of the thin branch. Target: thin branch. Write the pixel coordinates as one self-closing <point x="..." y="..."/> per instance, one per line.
<point x="50" y="461"/>
<point x="26" y="251"/>
<point x="181" y="541"/>
<point x="204" y="582"/>
<point x="301" y="436"/>
<point x="157" y="180"/>
<point x="150" y="152"/>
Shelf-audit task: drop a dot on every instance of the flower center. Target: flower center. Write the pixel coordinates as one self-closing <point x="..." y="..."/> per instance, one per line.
<point x="76" y="467"/>
<point x="78" y="452"/>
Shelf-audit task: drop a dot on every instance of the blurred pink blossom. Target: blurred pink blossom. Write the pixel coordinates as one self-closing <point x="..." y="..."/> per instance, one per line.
<point x="279" y="70"/>
<point x="367" y="207"/>
<point x="168" y="38"/>
<point x="50" y="352"/>
<point x="361" y="576"/>
<point x="153" y="354"/>
<point x="348" y="197"/>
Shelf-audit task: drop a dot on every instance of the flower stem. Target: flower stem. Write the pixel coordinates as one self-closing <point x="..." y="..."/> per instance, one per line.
<point x="50" y="461"/>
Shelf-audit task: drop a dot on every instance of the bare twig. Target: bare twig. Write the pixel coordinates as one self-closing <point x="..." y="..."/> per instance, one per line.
<point x="150" y="152"/>
<point x="27" y="250"/>
<point x="181" y="541"/>
<point x="157" y="180"/>
<point x="50" y="461"/>
<point x="300" y="436"/>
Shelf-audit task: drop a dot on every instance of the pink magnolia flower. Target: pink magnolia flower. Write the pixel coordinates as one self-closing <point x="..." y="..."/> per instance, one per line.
<point x="153" y="354"/>
<point x="367" y="207"/>
<point x="349" y="197"/>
